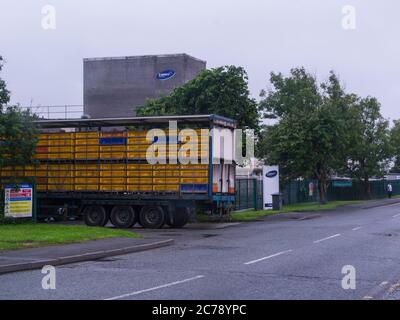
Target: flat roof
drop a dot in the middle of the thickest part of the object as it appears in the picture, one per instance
(144, 56)
(116, 122)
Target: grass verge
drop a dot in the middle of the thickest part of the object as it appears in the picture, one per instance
(300, 207)
(38, 235)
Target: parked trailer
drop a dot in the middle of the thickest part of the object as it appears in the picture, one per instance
(98, 169)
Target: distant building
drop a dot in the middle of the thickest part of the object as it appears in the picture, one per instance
(115, 87)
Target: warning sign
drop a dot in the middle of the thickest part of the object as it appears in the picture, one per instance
(18, 202)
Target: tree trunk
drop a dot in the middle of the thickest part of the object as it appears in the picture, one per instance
(322, 191)
(367, 188)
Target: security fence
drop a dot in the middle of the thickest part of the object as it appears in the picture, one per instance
(249, 194)
(249, 191)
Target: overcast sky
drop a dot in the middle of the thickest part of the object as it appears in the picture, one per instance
(44, 67)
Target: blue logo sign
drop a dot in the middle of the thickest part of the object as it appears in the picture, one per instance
(166, 75)
(272, 174)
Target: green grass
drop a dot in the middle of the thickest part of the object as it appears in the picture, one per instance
(39, 235)
(300, 207)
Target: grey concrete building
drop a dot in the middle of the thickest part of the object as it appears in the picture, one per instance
(115, 87)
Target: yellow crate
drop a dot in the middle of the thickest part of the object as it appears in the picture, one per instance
(194, 173)
(113, 181)
(145, 187)
(112, 167)
(41, 187)
(135, 146)
(87, 187)
(41, 170)
(194, 166)
(139, 170)
(82, 136)
(60, 139)
(113, 188)
(136, 155)
(194, 180)
(166, 188)
(89, 170)
(166, 180)
(43, 139)
(137, 134)
(87, 180)
(42, 152)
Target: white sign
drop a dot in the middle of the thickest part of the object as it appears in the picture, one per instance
(270, 184)
(18, 203)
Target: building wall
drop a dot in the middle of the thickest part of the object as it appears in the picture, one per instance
(115, 87)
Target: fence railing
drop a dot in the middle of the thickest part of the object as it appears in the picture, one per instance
(61, 112)
(249, 191)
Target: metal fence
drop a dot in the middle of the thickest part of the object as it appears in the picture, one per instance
(57, 112)
(249, 192)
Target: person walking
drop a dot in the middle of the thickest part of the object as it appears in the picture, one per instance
(389, 190)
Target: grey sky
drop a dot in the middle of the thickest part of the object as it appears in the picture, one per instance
(260, 35)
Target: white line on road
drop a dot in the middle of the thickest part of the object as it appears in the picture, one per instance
(327, 238)
(397, 215)
(155, 288)
(269, 257)
(355, 229)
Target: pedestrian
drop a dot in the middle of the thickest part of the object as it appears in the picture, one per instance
(389, 190)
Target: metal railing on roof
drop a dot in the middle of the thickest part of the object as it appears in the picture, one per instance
(59, 112)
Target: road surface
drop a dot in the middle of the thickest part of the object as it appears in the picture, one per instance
(280, 258)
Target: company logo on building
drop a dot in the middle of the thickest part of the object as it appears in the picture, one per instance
(272, 174)
(166, 75)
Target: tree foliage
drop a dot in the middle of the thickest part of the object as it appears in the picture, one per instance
(370, 149)
(4, 93)
(223, 91)
(17, 133)
(321, 130)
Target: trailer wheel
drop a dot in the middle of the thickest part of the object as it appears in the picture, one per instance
(152, 217)
(180, 218)
(123, 217)
(95, 216)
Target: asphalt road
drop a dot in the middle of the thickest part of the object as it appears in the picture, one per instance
(281, 258)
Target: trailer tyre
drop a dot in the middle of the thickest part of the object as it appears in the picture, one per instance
(180, 218)
(152, 217)
(123, 217)
(95, 216)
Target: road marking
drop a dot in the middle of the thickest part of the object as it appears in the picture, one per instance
(327, 238)
(269, 257)
(397, 215)
(155, 288)
(355, 229)
(368, 298)
(384, 283)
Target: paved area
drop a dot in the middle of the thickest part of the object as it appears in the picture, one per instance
(34, 258)
(278, 258)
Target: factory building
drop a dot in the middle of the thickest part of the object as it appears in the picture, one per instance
(116, 87)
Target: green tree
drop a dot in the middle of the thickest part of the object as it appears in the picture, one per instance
(18, 135)
(4, 93)
(223, 91)
(370, 150)
(310, 136)
(395, 144)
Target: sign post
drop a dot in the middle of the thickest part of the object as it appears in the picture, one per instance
(18, 203)
(270, 185)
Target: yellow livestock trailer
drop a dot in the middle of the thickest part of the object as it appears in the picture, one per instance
(150, 170)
